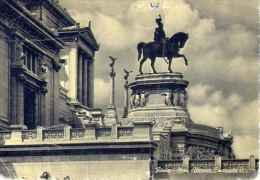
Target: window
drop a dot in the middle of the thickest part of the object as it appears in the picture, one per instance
(31, 60)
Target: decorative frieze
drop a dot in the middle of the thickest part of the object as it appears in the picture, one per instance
(6, 135)
(205, 165)
(104, 132)
(77, 133)
(125, 132)
(173, 166)
(29, 135)
(200, 152)
(53, 134)
(235, 164)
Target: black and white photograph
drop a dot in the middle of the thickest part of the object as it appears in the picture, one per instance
(129, 89)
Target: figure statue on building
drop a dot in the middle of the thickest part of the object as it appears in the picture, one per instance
(113, 61)
(127, 74)
(185, 99)
(132, 101)
(43, 66)
(167, 98)
(19, 51)
(143, 99)
(182, 98)
(137, 100)
(162, 47)
(159, 34)
(175, 98)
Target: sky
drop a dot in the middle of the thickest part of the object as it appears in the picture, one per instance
(222, 51)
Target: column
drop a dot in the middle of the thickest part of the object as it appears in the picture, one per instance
(112, 88)
(20, 103)
(126, 100)
(80, 75)
(112, 117)
(42, 108)
(13, 110)
(91, 84)
(73, 64)
(85, 82)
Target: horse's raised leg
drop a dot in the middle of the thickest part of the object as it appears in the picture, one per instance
(141, 65)
(152, 64)
(182, 55)
(170, 63)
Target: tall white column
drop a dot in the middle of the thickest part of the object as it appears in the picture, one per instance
(80, 75)
(91, 84)
(112, 87)
(73, 64)
(112, 117)
(85, 82)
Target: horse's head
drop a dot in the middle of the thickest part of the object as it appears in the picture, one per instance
(179, 39)
(183, 40)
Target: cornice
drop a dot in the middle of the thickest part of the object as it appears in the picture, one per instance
(22, 12)
(85, 34)
(61, 11)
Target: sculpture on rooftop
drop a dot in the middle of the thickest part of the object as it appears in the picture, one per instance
(162, 47)
(113, 61)
(127, 74)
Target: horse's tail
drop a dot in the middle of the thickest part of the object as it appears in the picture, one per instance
(139, 48)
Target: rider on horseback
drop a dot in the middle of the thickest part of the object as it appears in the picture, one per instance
(159, 34)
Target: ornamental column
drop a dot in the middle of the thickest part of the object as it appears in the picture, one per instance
(85, 82)
(73, 64)
(112, 117)
(126, 93)
(80, 75)
(91, 84)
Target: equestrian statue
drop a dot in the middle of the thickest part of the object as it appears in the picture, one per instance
(162, 47)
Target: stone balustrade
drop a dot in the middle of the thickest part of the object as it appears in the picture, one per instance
(218, 165)
(90, 132)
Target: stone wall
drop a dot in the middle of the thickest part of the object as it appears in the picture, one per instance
(77, 167)
(81, 153)
(4, 80)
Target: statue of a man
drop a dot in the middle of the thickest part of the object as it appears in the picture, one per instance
(167, 98)
(143, 98)
(182, 98)
(132, 101)
(159, 34)
(175, 98)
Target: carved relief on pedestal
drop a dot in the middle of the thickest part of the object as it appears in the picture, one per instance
(139, 100)
(143, 98)
(200, 152)
(167, 98)
(177, 152)
(179, 121)
(180, 98)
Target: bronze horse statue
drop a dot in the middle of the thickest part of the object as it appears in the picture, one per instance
(152, 50)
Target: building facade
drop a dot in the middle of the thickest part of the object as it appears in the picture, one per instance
(48, 65)
(49, 123)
